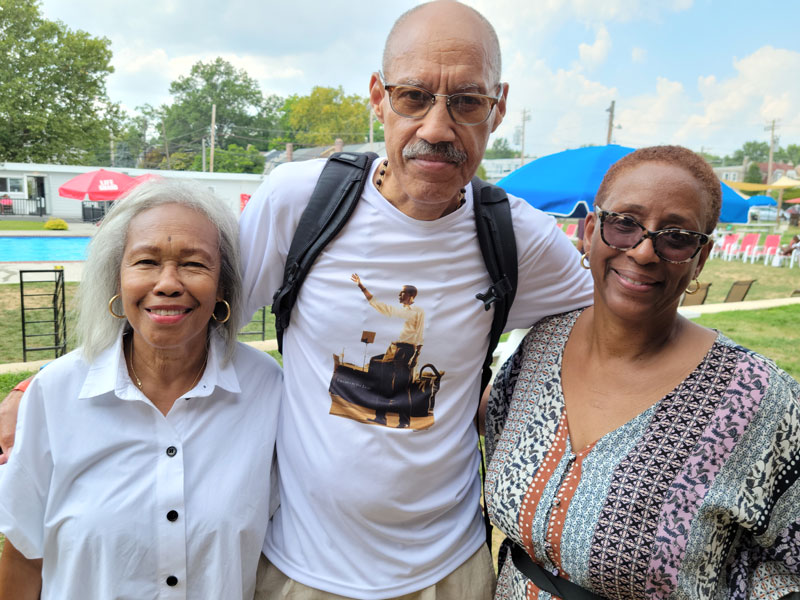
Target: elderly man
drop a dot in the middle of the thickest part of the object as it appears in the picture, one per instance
(378, 512)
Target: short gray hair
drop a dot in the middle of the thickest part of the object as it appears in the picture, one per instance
(97, 329)
(495, 57)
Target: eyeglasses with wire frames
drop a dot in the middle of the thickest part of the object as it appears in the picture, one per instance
(673, 245)
(465, 108)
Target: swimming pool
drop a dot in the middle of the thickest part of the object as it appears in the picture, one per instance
(49, 249)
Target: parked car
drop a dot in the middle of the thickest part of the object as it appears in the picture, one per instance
(765, 213)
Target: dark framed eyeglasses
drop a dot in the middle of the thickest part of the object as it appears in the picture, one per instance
(673, 245)
(414, 102)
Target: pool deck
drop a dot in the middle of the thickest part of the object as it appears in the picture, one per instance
(9, 271)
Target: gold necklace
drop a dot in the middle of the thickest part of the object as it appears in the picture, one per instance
(384, 168)
(139, 381)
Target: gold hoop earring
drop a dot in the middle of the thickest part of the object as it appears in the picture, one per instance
(585, 261)
(228, 316)
(696, 287)
(111, 308)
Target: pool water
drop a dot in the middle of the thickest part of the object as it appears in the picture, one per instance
(49, 249)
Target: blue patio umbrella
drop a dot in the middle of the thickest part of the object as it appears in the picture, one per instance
(564, 184)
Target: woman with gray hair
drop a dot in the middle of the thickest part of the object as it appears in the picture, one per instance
(119, 484)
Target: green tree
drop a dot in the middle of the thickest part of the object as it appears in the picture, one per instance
(326, 114)
(53, 105)
(500, 149)
(242, 113)
(234, 159)
(755, 151)
(712, 159)
(792, 153)
(179, 161)
(753, 174)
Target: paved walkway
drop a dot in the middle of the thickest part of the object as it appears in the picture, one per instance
(706, 309)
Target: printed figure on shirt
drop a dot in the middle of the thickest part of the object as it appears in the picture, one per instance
(390, 383)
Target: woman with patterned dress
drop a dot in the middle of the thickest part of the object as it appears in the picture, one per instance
(632, 452)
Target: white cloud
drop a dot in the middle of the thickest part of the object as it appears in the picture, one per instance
(737, 109)
(567, 108)
(638, 55)
(595, 54)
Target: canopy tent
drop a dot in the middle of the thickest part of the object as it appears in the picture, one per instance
(564, 184)
(762, 201)
(781, 184)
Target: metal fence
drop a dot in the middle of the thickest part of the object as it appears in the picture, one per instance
(23, 206)
(44, 315)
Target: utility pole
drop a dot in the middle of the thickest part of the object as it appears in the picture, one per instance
(204, 154)
(610, 111)
(111, 143)
(166, 143)
(213, 130)
(525, 117)
(771, 129)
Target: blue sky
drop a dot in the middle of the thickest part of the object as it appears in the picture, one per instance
(707, 74)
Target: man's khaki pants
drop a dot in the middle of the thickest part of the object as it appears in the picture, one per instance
(474, 580)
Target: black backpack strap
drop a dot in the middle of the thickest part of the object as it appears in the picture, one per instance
(335, 196)
(499, 249)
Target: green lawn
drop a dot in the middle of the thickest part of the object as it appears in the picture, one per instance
(771, 282)
(9, 225)
(773, 332)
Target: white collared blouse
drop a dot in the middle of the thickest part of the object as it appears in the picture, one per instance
(123, 502)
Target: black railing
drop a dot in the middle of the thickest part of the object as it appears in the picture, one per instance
(94, 211)
(23, 206)
(256, 327)
(44, 315)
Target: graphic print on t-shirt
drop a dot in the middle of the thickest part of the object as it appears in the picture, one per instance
(389, 390)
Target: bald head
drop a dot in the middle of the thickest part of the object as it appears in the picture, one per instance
(448, 17)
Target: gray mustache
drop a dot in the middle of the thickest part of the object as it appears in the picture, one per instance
(442, 151)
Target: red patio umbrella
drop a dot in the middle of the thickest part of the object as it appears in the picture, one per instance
(100, 186)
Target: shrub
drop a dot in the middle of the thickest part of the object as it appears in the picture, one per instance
(56, 224)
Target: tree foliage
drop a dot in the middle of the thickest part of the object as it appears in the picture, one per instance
(53, 105)
(501, 149)
(243, 114)
(753, 174)
(234, 159)
(326, 114)
(791, 154)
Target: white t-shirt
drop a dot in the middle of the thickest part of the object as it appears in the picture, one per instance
(97, 472)
(371, 510)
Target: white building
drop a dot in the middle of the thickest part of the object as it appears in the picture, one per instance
(33, 188)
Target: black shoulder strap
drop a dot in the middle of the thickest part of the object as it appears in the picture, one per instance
(556, 585)
(334, 198)
(499, 250)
